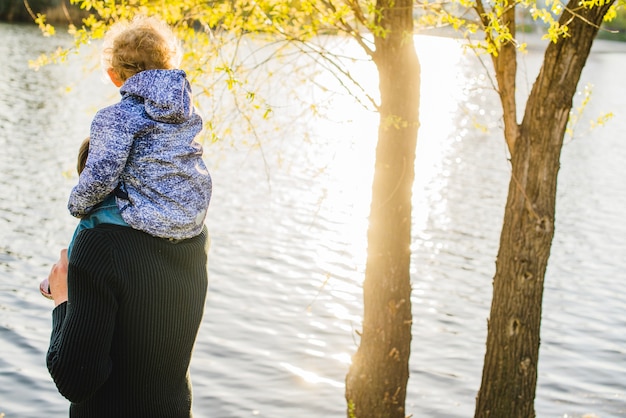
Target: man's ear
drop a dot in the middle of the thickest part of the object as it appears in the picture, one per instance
(115, 78)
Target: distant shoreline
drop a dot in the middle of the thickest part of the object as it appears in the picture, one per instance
(61, 14)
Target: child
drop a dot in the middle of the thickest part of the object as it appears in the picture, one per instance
(142, 149)
(142, 159)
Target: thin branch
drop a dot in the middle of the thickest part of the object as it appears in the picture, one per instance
(358, 13)
(333, 66)
(29, 10)
(574, 13)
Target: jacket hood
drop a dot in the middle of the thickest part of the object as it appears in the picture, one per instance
(166, 94)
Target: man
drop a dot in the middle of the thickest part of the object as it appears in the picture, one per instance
(127, 311)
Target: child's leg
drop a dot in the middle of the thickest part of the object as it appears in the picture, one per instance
(106, 212)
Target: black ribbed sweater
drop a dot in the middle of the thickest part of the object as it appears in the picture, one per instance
(122, 343)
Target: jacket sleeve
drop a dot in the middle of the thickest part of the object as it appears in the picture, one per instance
(111, 138)
(78, 357)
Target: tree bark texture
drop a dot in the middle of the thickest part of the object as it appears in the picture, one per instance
(377, 379)
(510, 370)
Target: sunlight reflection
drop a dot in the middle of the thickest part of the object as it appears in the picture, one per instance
(341, 312)
(311, 377)
(315, 353)
(318, 324)
(346, 156)
(343, 295)
(344, 358)
(441, 90)
(312, 341)
(348, 186)
(315, 341)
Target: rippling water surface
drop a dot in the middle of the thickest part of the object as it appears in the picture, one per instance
(288, 252)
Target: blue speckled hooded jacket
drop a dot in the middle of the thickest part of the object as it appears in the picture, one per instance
(145, 143)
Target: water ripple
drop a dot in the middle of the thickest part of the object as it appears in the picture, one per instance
(287, 258)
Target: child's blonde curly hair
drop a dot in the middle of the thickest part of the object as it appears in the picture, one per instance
(144, 43)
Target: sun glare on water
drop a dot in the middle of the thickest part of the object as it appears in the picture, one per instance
(350, 156)
(347, 160)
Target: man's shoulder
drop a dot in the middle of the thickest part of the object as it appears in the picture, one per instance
(104, 240)
(121, 232)
(123, 246)
(104, 231)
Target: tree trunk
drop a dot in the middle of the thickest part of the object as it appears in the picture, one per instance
(510, 370)
(377, 379)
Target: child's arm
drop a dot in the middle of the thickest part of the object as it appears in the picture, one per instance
(109, 146)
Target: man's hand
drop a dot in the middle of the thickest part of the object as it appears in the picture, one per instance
(58, 279)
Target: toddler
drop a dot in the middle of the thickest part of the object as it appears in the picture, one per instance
(141, 166)
(142, 149)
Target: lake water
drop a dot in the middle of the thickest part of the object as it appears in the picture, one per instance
(288, 229)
